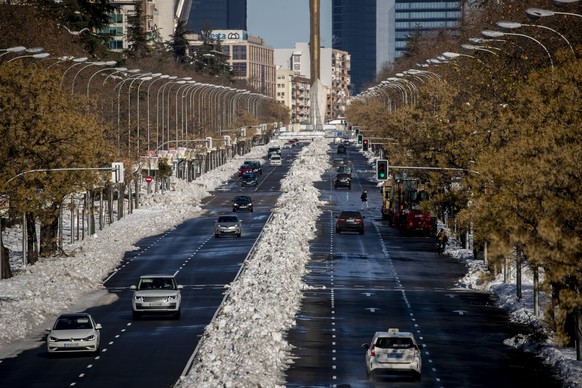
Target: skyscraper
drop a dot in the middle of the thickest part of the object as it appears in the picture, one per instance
(219, 14)
(375, 32)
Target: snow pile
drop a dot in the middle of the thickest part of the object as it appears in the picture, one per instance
(261, 304)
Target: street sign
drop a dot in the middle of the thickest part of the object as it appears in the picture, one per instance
(148, 179)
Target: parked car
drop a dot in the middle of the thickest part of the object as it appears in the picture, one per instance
(255, 165)
(242, 202)
(249, 179)
(244, 169)
(349, 220)
(156, 294)
(276, 161)
(76, 332)
(342, 180)
(393, 352)
(226, 225)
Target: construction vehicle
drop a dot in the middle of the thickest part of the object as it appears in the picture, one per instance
(404, 203)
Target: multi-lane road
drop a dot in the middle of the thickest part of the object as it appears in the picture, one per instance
(361, 284)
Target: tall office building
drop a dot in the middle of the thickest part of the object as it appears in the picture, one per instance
(375, 32)
(219, 14)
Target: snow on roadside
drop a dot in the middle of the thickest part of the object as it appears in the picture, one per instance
(32, 299)
(261, 304)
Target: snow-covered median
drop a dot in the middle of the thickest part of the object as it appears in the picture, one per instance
(261, 304)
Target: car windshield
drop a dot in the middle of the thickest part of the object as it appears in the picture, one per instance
(227, 219)
(242, 199)
(73, 323)
(156, 284)
(394, 343)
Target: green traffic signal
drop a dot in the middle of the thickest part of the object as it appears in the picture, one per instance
(360, 137)
(382, 170)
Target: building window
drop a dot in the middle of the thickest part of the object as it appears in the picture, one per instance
(239, 69)
(239, 52)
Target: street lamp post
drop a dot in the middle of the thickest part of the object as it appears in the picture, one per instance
(116, 70)
(35, 56)
(498, 34)
(513, 25)
(16, 49)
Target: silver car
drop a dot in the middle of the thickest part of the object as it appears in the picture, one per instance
(156, 294)
(393, 352)
(73, 333)
(227, 225)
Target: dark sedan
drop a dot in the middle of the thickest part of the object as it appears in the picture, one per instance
(342, 180)
(349, 220)
(249, 179)
(242, 202)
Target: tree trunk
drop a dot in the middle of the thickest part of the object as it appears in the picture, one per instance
(49, 237)
(31, 239)
(5, 271)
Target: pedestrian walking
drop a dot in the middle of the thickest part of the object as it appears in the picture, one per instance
(442, 240)
(364, 198)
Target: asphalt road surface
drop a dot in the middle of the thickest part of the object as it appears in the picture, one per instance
(380, 280)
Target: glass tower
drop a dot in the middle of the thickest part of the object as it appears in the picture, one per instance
(218, 14)
(375, 32)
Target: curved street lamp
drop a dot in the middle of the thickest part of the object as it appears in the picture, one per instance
(35, 56)
(16, 49)
(497, 34)
(453, 55)
(513, 25)
(116, 70)
(537, 13)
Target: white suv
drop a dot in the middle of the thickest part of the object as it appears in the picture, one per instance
(156, 294)
(393, 352)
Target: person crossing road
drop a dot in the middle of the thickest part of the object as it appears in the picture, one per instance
(364, 198)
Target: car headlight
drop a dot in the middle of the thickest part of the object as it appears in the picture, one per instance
(90, 338)
(138, 298)
(172, 298)
(52, 339)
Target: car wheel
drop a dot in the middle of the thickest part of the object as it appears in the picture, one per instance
(136, 315)
(216, 235)
(251, 210)
(338, 231)
(238, 235)
(362, 231)
(234, 210)
(178, 314)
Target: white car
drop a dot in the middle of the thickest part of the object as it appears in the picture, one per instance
(393, 352)
(276, 161)
(156, 294)
(76, 332)
(227, 225)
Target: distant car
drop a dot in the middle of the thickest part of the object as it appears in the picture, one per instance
(242, 202)
(393, 352)
(156, 294)
(276, 161)
(76, 332)
(256, 166)
(244, 169)
(342, 180)
(349, 220)
(227, 225)
(287, 145)
(274, 151)
(341, 161)
(342, 149)
(344, 169)
(249, 179)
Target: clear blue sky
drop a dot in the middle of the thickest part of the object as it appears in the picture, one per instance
(281, 23)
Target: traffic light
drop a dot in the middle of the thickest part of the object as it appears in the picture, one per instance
(364, 144)
(382, 169)
(360, 137)
(357, 131)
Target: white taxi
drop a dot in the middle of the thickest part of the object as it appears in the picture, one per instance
(393, 352)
